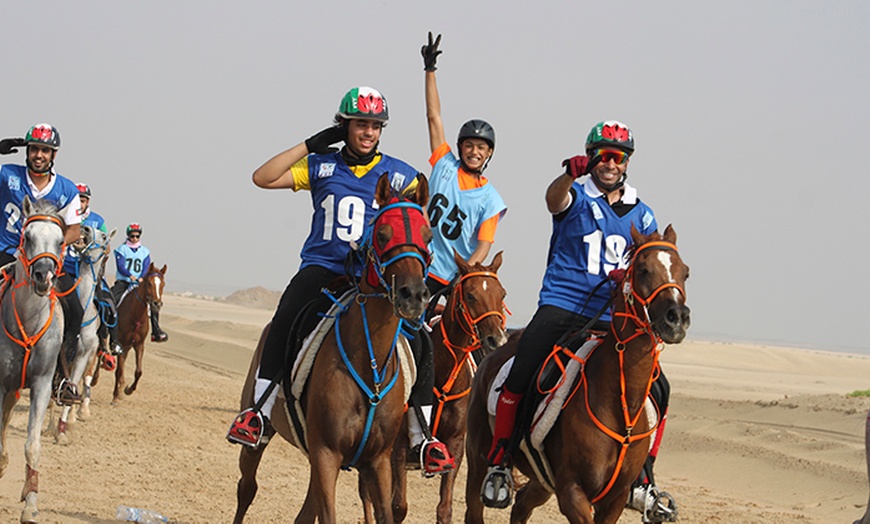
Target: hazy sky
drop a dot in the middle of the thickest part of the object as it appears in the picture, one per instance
(747, 116)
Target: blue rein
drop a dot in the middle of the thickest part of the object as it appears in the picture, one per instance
(378, 390)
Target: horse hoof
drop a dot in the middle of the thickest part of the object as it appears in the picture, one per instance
(84, 412)
(62, 439)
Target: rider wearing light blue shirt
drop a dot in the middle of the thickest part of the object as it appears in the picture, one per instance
(132, 261)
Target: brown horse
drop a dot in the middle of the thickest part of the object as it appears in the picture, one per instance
(473, 318)
(133, 325)
(353, 402)
(599, 442)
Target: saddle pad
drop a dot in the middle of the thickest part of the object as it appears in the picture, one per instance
(305, 361)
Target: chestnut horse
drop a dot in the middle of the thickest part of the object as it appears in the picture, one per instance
(473, 318)
(598, 444)
(353, 402)
(30, 339)
(133, 325)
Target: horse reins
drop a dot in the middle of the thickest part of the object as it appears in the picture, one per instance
(28, 342)
(643, 326)
(468, 324)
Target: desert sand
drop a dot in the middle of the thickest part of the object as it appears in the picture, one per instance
(755, 434)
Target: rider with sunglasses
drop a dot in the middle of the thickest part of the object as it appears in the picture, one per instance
(593, 209)
(132, 261)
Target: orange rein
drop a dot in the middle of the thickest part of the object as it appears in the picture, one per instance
(469, 328)
(27, 342)
(642, 327)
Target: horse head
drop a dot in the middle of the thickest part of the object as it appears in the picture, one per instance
(152, 286)
(656, 280)
(396, 247)
(95, 243)
(479, 297)
(42, 244)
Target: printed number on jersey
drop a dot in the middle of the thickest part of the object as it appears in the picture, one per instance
(451, 226)
(346, 219)
(613, 249)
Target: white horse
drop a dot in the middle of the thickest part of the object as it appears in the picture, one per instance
(94, 250)
(32, 334)
(866, 518)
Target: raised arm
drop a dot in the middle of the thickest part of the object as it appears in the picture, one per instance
(276, 174)
(430, 54)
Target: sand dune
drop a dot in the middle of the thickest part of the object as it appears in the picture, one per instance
(755, 434)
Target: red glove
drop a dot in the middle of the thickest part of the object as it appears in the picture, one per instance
(579, 165)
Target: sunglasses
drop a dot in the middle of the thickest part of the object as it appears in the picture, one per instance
(134, 236)
(620, 157)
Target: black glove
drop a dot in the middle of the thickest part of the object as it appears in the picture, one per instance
(319, 143)
(8, 145)
(430, 53)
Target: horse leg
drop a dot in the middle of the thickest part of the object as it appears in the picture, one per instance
(140, 353)
(249, 462)
(366, 498)
(308, 513)
(9, 401)
(575, 505)
(62, 438)
(529, 497)
(119, 376)
(474, 454)
(325, 465)
(40, 396)
(400, 474)
(377, 475)
(444, 510)
(85, 407)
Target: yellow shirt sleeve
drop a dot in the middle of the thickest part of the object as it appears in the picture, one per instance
(299, 170)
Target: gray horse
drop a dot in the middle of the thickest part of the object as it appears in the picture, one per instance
(92, 252)
(32, 333)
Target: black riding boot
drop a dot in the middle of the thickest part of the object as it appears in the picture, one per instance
(157, 334)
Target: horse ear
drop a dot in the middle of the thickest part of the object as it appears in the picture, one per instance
(383, 192)
(670, 235)
(422, 194)
(112, 234)
(461, 263)
(636, 237)
(163, 271)
(496, 262)
(26, 206)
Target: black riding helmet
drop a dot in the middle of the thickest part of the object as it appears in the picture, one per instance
(477, 128)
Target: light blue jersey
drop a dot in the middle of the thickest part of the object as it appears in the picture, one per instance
(456, 215)
(588, 241)
(131, 263)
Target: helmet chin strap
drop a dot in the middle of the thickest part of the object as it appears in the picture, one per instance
(612, 188)
(46, 171)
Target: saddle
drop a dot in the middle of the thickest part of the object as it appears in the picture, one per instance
(305, 341)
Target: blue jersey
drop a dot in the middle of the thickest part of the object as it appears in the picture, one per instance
(588, 241)
(131, 263)
(456, 215)
(343, 204)
(71, 258)
(13, 189)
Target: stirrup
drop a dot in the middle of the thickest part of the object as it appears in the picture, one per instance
(436, 458)
(655, 506)
(67, 393)
(108, 361)
(251, 429)
(498, 487)
(117, 349)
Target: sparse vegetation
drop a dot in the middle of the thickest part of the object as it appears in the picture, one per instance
(860, 393)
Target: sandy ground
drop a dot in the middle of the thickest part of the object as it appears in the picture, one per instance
(756, 434)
